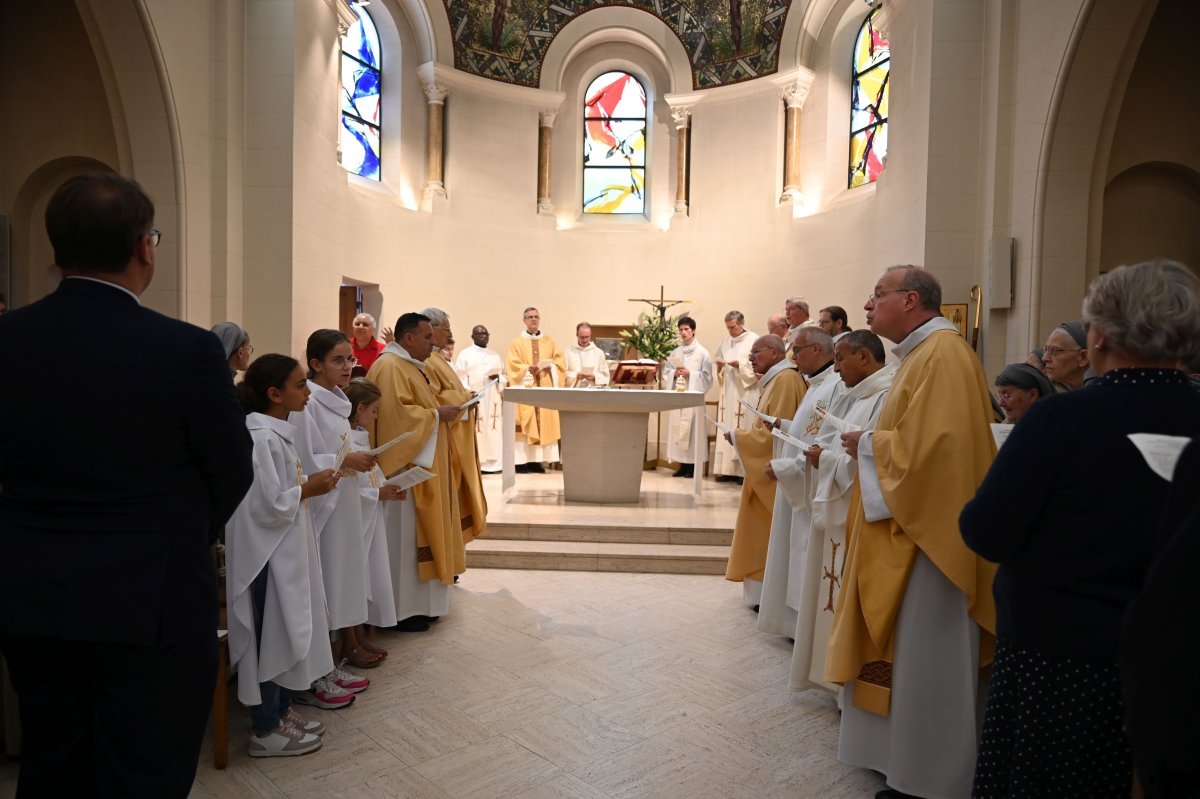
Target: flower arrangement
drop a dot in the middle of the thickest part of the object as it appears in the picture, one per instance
(653, 337)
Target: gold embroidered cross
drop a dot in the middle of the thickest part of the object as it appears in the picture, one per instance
(834, 580)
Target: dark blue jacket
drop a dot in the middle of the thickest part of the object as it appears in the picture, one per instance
(122, 451)
(1069, 510)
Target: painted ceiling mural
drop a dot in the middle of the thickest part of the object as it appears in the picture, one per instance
(728, 41)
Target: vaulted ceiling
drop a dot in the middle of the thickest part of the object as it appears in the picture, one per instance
(727, 41)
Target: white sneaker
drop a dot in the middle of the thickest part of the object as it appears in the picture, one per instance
(310, 726)
(353, 683)
(286, 740)
(325, 693)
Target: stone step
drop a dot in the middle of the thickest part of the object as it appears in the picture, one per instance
(610, 534)
(597, 556)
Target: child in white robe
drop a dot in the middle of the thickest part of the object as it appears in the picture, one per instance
(364, 399)
(275, 598)
(324, 441)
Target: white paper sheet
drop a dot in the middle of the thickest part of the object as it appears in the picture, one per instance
(382, 448)
(795, 442)
(545, 363)
(675, 360)
(769, 420)
(479, 394)
(838, 423)
(724, 428)
(1000, 433)
(342, 452)
(410, 477)
(429, 451)
(1161, 452)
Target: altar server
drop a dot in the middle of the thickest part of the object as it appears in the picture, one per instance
(690, 363)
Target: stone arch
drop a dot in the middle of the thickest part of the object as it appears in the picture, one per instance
(1151, 210)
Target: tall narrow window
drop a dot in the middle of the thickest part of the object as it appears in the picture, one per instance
(358, 135)
(614, 145)
(869, 103)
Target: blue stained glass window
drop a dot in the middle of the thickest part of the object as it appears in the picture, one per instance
(870, 71)
(358, 135)
(614, 145)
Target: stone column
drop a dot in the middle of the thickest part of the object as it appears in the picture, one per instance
(794, 95)
(683, 117)
(545, 139)
(434, 184)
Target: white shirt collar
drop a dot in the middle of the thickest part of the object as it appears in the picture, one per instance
(774, 371)
(281, 427)
(923, 331)
(397, 350)
(105, 282)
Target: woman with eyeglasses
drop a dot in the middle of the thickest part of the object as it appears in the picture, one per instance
(236, 342)
(1067, 510)
(1018, 387)
(1066, 356)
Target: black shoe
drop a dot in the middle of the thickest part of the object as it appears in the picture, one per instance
(739, 480)
(724, 478)
(535, 468)
(521, 468)
(755, 608)
(413, 624)
(456, 578)
(429, 619)
(686, 470)
(892, 793)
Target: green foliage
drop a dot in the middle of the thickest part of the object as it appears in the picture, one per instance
(652, 337)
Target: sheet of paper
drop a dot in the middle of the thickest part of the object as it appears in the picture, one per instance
(429, 451)
(769, 420)
(410, 477)
(382, 448)
(1000, 433)
(545, 363)
(479, 394)
(675, 360)
(724, 428)
(1161, 452)
(836, 422)
(342, 452)
(795, 442)
(587, 370)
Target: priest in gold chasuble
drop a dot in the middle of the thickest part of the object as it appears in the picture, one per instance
(464, 448)
(781, 388)
(534, 359)
(915, 621)
(410, 405)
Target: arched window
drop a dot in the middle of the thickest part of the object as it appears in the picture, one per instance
(868, 103)
(358, 136)
(614, 145)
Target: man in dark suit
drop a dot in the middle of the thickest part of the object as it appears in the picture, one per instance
(117, 468)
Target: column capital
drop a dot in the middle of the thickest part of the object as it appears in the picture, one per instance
(435, 93)
(795, 91)
(682, 106)
(681, 114)
(885, 20)
(546, 116)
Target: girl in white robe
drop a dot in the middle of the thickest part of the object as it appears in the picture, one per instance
(324, 430)
(365, 397)
(275, 597)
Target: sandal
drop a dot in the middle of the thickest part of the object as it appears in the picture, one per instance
(360, 659)
(374, 650)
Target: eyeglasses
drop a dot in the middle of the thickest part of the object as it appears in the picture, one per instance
(878, 295)
(1005, 396)
(1054, 352)
(341, 361)
(249, 349)
(155, 236)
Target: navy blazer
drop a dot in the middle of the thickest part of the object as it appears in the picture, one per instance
(1069, 509)
(123, 450)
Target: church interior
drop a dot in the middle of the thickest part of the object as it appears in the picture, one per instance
(415, 153)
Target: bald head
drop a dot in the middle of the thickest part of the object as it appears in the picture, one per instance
(766, 351)
(777, 324)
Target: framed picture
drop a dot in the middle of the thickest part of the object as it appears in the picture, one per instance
(957, 315)
(608, 339)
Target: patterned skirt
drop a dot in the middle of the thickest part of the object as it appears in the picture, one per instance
(1053, 727)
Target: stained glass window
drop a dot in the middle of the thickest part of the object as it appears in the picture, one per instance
(614, 145)
(869, 103)
(358, 135)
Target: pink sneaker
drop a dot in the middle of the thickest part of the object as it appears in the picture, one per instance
(325, 693)
(348, 681)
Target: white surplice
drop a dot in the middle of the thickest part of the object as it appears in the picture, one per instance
(825, 558)
(272, 529)
(322, 427)
(790, 516)
(733, 386)
(680, 441)
(381, 605)
(590, 356)
(478, 365)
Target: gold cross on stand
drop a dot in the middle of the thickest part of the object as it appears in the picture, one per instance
(661, 304)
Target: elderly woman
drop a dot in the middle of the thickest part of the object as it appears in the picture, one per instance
(236, 342)
(1018, 387)
(1065, 355)
(366, 347)
(1035, 359)
(1064, 512)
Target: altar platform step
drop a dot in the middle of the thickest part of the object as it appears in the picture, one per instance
(597, 556)
(668, 531)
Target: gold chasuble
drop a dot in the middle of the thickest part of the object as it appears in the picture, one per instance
(931, 449)
(752, 531)
(539, 426)
(464, 449)
(409, 404)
